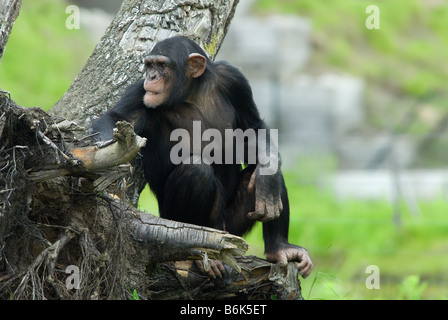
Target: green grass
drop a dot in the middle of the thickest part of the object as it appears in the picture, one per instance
(42, 56)
(347, 236)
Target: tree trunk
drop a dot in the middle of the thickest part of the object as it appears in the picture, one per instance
(66, 228)
(9, 10)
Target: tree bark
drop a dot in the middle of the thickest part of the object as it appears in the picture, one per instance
(64, 203)
(9, 11)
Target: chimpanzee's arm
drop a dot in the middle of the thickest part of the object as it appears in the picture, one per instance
(129, 108)
(267, 178)
(271, 198)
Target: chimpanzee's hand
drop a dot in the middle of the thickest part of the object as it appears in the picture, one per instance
(287, 253)
(216, 270)
(268, 203)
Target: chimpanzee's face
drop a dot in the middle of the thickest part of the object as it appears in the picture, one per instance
(159, 80)
(171, 68)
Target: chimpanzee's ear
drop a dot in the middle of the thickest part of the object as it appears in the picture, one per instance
(196, 64)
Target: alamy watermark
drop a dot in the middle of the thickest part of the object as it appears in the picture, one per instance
(73, 280)
(373, 20)
(373, 280)
(73, 21)
(250, 146)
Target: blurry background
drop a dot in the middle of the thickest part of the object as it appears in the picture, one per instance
(362, 115)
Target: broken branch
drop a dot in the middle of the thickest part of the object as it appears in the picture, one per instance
(125, 147)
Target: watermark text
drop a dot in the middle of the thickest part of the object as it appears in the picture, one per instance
(235, 146)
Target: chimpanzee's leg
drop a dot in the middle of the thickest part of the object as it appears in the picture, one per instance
(237, 221)
(193, 194)
(275, 232)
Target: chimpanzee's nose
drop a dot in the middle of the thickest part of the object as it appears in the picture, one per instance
(152, 75)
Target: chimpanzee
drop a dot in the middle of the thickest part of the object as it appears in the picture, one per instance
(181, 87)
